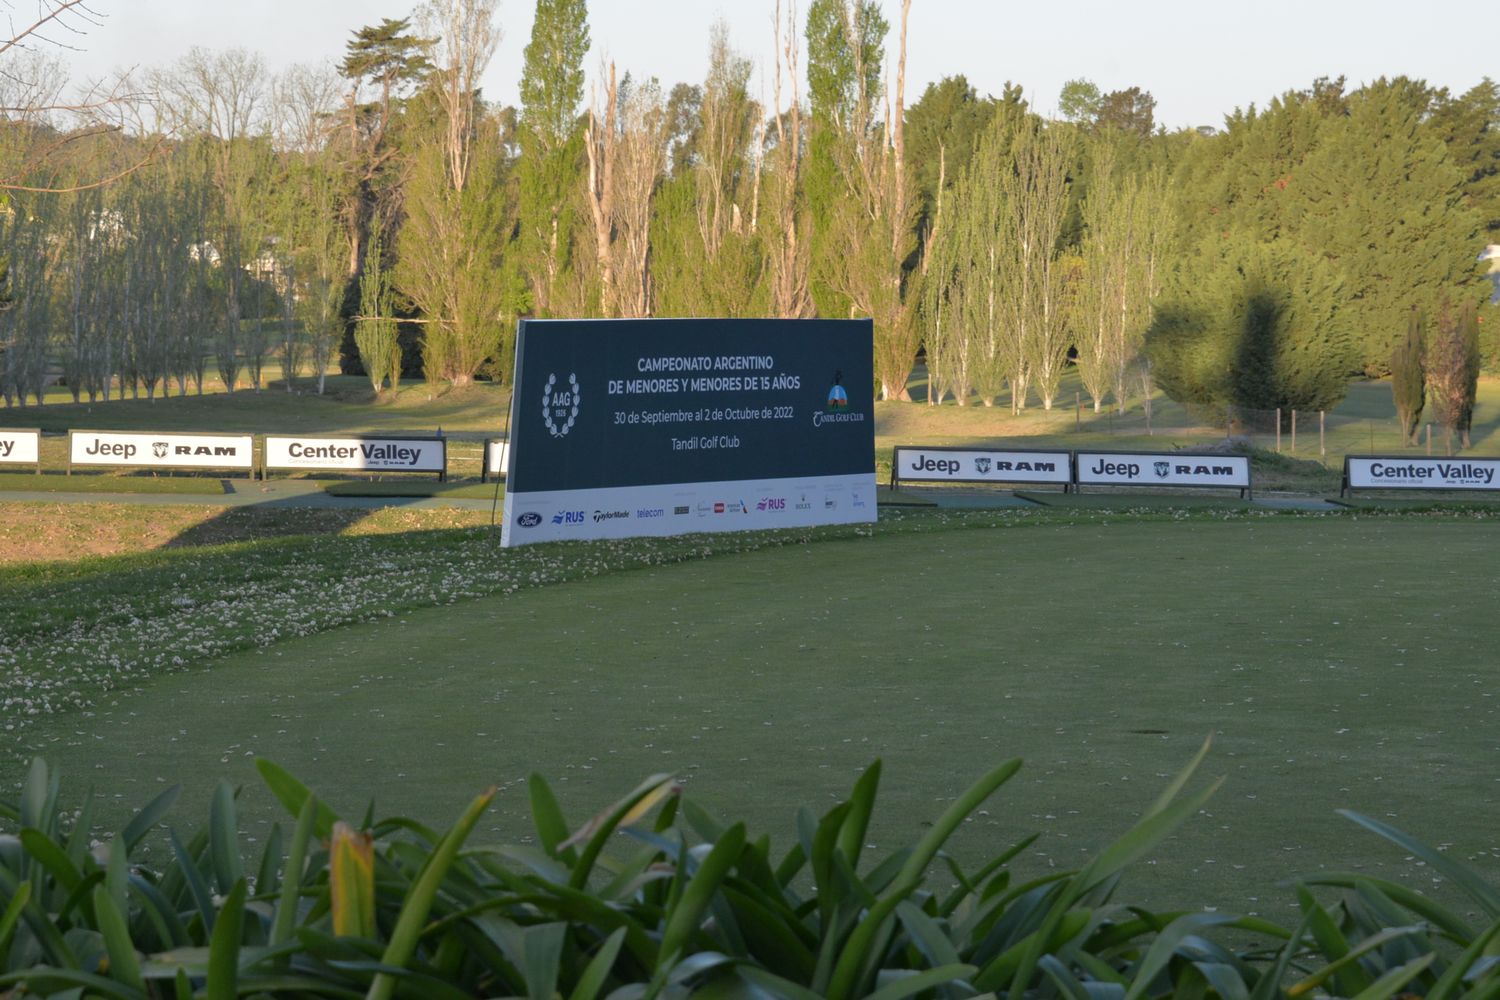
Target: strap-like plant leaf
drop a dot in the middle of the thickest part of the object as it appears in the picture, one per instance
(1428, 909)
(54, 946)
(541, 948)
(1391, 983)
(38, 793)
(351, 881)
(52, 858)
(1068, 984)
(123, 963)
(291, 793)
(772, 937)
(291, 881)
(1457, 970)
(1139, 839)
(223, 837)
(224, 946)
(408, 929)
(776, 986)
(46, 981)
(684, 918)
(11, 917)
(547, 817)
(932, 940)
(596, 832)
(143, 822)
(1479, 890)
(159, 913)
(856, 952)
(202, 898)
(1347, 965)
(268, 872)
(851, 839)
(596, 973)
(1165, 945)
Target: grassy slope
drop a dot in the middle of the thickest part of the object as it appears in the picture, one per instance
(1102, 651)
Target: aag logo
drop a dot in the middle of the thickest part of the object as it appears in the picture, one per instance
(530, 519)
(568, 517)
(560, 406)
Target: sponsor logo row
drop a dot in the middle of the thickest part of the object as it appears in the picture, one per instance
(702, 508)
(1073, 468)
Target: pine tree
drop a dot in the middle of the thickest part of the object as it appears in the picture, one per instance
(1409, 379)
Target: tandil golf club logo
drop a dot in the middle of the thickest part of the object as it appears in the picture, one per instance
(559, 405)
(838, 399)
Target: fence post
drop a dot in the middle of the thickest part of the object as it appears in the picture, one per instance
(1278, 430)
(1322, 451)
(1078, 411)
(1294, 431)
(1429, 439)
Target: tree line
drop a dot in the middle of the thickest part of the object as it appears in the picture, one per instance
(381, 214)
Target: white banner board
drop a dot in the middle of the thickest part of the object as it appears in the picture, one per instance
(1392, 472)
(357, 454)
(960, 465)
(1174, 468)
(496, 453)
(20, 447)
(147, 449)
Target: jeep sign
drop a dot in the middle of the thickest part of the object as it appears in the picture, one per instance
(146, 449)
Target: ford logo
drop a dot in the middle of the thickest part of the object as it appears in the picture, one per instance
(530, 519)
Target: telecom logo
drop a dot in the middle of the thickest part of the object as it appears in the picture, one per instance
(568, 517)
(1163, 469)
(646, 512)
(530, 519)
(560, 406)
(982, 465)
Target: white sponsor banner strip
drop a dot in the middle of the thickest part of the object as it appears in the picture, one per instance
(1391, 472)
(359, 454)
(21, 447)
(681, 508)
(982, 465)
(1174, 468)
(152, 450)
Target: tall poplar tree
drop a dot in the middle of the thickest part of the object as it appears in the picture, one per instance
(551, 141)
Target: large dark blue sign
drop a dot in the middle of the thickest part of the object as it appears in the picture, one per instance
(658, 427)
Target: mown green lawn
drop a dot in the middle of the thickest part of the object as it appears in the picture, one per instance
(1339, 660)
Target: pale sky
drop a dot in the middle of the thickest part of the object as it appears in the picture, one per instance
(1200, 58)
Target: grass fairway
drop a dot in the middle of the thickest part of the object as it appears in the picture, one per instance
(1340, 661)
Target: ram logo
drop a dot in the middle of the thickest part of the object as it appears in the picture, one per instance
(1162, 468)
(159, 449)
(982, 465)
